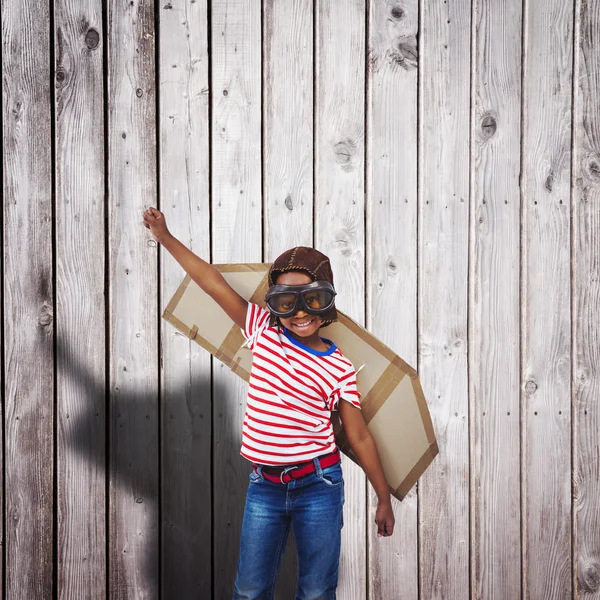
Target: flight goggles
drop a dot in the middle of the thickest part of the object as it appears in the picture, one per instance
(314, 298)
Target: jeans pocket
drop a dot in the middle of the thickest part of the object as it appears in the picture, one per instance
(332, 476)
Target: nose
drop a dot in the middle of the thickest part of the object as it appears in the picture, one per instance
(300, 313)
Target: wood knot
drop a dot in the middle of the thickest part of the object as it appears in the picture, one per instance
(589, 577)
(391, 265)
(549, 181)
(404, 53)
(16, 110)
(139, 93)
(92, 39)
(46, 316)
(530, 387)
(594, 170)
(488, 127)
(397, 12)
(288, 203)
(61, 76)
(344, 152)
(343, 239)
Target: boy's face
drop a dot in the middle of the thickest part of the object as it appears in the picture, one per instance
(302, 324)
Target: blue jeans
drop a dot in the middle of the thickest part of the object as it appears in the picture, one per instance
(312, 506)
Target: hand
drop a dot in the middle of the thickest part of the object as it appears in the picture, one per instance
(384, 518)
(155, 221)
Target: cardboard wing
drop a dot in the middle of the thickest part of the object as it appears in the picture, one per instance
(393, 404)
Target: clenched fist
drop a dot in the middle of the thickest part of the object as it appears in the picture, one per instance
(155, 221)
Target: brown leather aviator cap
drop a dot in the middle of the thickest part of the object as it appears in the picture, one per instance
(310, 261)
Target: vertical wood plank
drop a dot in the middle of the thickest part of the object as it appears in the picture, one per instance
(288, 125)
(236, 237)
(586, 289)
(134, 464)
(186, 372)
(494, 300)
(339, 217)
(444, 73)
(546, 293)
(288, 152)
(392, 247)
(80, 303)
(28, 298)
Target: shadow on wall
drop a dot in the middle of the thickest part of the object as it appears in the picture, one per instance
(187, 491)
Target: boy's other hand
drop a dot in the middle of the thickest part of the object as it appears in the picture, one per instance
(384, 518)
(155, 221)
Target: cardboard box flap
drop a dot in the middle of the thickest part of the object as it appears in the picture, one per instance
(392, 402)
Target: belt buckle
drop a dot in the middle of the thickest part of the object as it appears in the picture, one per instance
(285, 471)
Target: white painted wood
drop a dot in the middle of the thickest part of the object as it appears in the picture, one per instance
(444, 76)
(236, 237)
(586, 300)
(288, 154)
(186, 369)
(546, 300)
(288, 125)
(134, 460)
(494, 300)
(392, 247)
(80, 300)
(339, 115)
(28, 299)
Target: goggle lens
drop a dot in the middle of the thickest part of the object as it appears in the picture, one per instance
(282, 303)
(317, 299)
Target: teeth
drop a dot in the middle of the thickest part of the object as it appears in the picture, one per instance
(303, 324)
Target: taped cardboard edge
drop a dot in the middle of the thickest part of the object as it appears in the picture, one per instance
(380, 347)
(235, 339)
(191, 334)
(410, 480)
(176, 298)
(388, 381)
(416, 471)
(424, 411)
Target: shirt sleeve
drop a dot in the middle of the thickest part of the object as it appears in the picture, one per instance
(346, 389)
(257, 320)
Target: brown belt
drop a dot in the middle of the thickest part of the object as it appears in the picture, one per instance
(286, 474)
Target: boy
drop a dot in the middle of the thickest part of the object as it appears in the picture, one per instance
(297, 379)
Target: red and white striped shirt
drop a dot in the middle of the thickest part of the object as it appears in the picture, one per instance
(293, 390)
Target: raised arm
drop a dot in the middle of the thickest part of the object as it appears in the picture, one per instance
(203, 273)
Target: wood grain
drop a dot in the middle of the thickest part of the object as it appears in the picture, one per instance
(235, 237)
(288, 113)
(339, 114)
(494, 301)
(546, 300)
(134, 460)
(444, 72)
(393, 63)
(436, 97)
(80, 301)
(28, 299)
(186, 493)
(586, 290)
(288, 124)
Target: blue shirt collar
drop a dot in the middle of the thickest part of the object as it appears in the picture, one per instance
(298, 343)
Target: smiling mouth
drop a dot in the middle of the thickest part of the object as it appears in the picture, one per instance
(303, 325)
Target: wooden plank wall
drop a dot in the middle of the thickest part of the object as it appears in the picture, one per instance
(445, 155)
